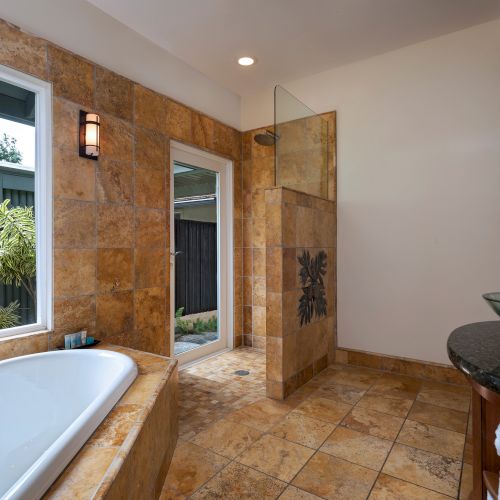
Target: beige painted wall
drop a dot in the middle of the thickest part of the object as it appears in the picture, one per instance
(418, 188)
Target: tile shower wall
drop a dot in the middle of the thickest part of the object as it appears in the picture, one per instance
(297, 222)
(258, 170)
(111, 217)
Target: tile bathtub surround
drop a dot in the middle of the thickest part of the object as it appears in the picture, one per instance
(128, 455)
(111, 216)
(296, 222)
(327, 440)
(258, 172)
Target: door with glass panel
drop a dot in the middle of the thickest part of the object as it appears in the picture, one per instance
(199, 253)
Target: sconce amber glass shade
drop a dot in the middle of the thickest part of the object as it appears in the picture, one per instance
(89, 135)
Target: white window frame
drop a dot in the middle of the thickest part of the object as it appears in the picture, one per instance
(43, 198)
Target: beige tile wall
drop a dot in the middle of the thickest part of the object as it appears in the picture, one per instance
(111, 217)
(297, 222)
(258, 175)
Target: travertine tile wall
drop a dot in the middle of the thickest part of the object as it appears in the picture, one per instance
(258, 174)
(296, 222)
(111, 217)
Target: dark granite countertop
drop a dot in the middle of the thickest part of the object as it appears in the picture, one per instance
(475, 350)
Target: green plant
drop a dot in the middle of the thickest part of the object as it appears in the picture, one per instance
(9, 151)
(212, 324)
(9, 316)
(180, 312)
(17, 247)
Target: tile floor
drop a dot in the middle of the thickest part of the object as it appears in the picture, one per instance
(350, 433)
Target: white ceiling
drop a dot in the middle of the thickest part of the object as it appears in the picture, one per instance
(289, 38)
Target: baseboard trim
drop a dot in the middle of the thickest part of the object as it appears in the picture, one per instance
(403, 366)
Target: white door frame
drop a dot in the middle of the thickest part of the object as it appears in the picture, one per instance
(224, 167)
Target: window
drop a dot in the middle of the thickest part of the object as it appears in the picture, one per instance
(25, 203)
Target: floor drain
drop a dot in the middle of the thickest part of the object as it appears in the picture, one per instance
(241, 372)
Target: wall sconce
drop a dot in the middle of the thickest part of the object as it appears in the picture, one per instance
(89, 135)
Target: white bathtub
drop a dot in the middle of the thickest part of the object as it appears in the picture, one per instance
(50, 403)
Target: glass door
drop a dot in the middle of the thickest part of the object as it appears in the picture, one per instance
(199, 253)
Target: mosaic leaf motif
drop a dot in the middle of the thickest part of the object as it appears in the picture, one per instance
(313, 299)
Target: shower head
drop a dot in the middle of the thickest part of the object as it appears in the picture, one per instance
(267, 139)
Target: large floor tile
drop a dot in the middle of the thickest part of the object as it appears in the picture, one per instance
(191, 467)
(325, 409)
(362, 449)
(391, 406)
(236, 482)
(448, 396)
(434, 439)
(331, 477)
(342, 393)
(391, 488)
(303, 430)
(277, 457)
(227, 438)
(354, 377)
(438, 416)
(293, 493)
(373, 422)
(423, 468)
(261, 415)
(396, 386)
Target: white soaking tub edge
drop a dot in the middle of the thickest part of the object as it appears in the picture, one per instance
(60, 398)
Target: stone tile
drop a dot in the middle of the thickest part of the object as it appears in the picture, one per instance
(150, 109)
(142, 390)
(74, 224)
(74, 272)
(259, 262)
(439, 416)
(23, 345)
(115, 181)
(74, 177)
(81, 478)
(149, 267)
(150, 228)
(355, 377)
(150, 188)
(276, 457)
(114, 269)
(332, 478)
(396, 386)
(259, 291)
(117, 140)
(191, 467)
(151, 339)
(115, 226)
(150, 150)
(22, 51)
(149, 305)
(114, 314)
(359, 448)
(261, 415)
(293, 493)
(236, 482)
(72, 315)
(114, 94)
(391, 488)
(178, 119)
(425, 469)
(203, 130)
(117, 425)
(342, 393)
(259, 320)
(447, 396)
(325, 409)
(227, 438)
(303, 430)
(66, 119)
(434, 439)
(374, 423)
(397, 407)
(71, 76)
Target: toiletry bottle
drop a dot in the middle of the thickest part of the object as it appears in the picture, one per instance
(83, 336)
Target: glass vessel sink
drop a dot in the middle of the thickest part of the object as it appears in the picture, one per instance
(493, 300)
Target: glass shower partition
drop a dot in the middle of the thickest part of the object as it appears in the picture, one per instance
(301, 159)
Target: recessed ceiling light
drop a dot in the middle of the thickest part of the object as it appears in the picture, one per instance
(246, 61)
